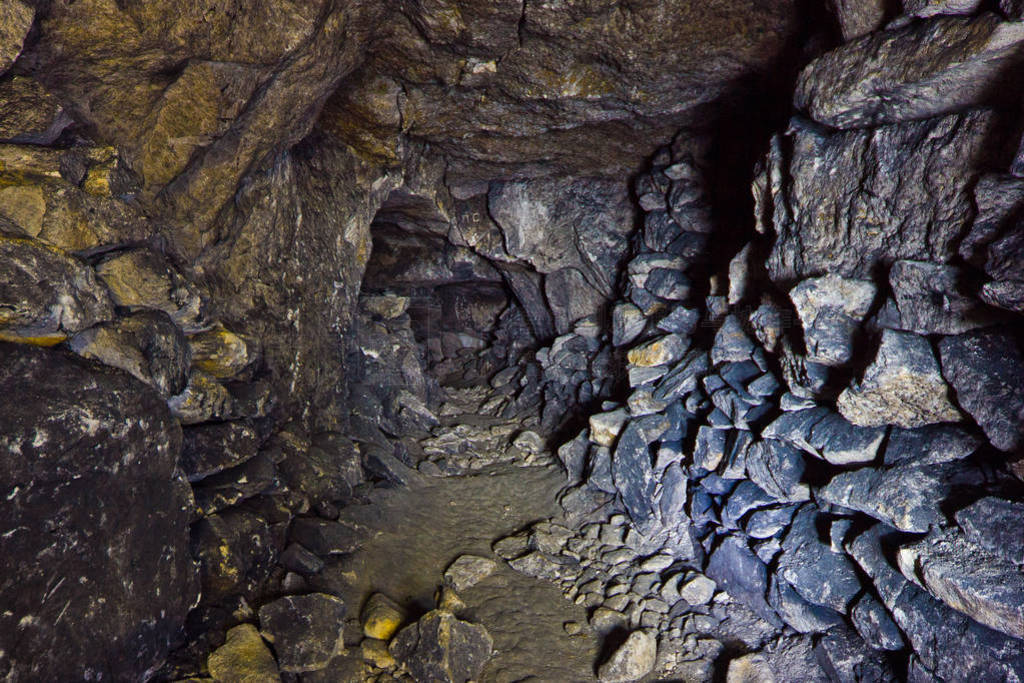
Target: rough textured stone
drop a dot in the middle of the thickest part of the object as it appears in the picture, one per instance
(778, 469)
(933, 629)
(848, 201)
(305, 630)
(95, 521)
(15, 22)
(468, 570)
(632, 660)
(994, 524)
(831, 309)
(632, 472)
(46, 295)
(986, 370)
(925, 69)
(821, 576)
(244, 657)
(382, 617)
(930, 299)
(874, 624)
(901, 386)
(441, 648)
(749, 668)
(859, 17)
(827, 435)
(28, 114)
(144, 278)
(740, 573)
(146, 344)
(211, 449)
(907, 497)
(984, 586)
(236, 553)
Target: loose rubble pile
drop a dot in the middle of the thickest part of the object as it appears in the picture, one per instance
(814, 431)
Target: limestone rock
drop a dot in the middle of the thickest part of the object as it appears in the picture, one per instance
(984, 586)
(698, 591)
(732, 345)
(144, 278)
(902, 386)
(440, 648)
(925, 69)
(15, 21)
(739, 572)
(749, 668)
(220, 352)
(243, 657)
(827, 435)
(605, 427)
(627, 323)
(468, 570)
(929, 299)
(305, 630)
(236, 553)
(986, 370)
(632, 660)
(778, 469)
(931, 8)
(88, 461)
(661, 351)
(859, 17)
(831, 309)
(907, 497)
(932, 629)
(204, 399)
(874, 624)
(994, 524)
(212, 448)
(821, 576)
(853, 199)
(29, 114)
(46, 295)
(382, 617)
(146, 344)
(327, 537)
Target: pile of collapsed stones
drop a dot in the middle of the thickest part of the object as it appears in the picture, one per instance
(829, 429)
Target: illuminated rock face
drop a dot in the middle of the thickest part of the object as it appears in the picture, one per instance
(261, 260)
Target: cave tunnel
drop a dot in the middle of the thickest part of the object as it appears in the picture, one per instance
(511, 341)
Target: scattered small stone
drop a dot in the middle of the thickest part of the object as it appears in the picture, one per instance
(633, 660)
(468, 570)
(698, 590)
(376, 653)
(381, 617)
(572, 628)
(305, 630)
(243, 657)
(750, 668)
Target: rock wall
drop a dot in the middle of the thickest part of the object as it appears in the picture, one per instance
(816, 421)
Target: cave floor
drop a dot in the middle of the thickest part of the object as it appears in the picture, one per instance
(414, 533)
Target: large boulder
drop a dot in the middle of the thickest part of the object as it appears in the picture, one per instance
(918, 70)
(846, 202)
(95, 520)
